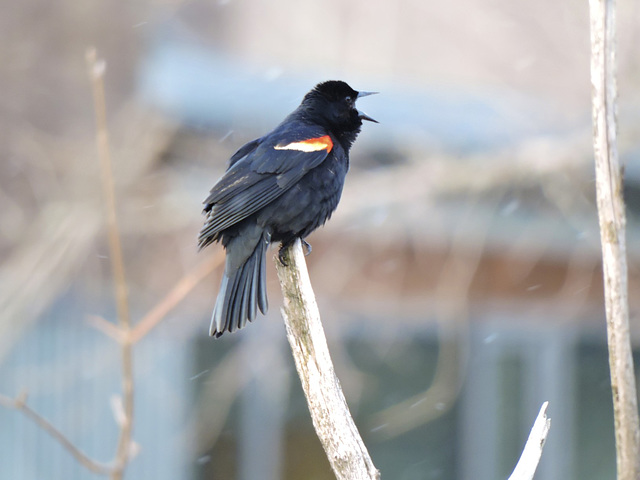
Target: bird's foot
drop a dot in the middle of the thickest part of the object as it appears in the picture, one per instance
(284, 247)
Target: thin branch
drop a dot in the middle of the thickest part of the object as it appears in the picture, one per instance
(175, 296)
(105, 326)
(612, 236)
(96, 73)
(123, 332)
(528, 463)
(159, 312)
(332, 420)
(20, 404)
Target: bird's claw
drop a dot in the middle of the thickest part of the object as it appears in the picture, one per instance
(281, 255)
(307, 247)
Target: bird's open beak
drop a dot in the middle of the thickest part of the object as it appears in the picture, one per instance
(362, 115)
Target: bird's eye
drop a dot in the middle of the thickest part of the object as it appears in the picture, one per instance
(349, 99)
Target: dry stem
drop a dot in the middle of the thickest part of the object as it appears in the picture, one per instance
(96, 73)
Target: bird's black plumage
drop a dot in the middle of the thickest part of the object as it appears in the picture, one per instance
(278, 188)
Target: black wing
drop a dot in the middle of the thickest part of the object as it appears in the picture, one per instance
(260, 172)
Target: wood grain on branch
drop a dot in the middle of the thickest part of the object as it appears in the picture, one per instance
(612, 219)
(332, 420)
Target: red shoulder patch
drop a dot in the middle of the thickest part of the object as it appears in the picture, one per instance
(310, 145)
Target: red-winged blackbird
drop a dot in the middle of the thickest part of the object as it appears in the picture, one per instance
(278, 188)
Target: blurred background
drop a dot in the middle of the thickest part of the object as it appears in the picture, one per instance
(459, 281)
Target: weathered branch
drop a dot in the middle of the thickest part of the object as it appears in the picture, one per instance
(611, 214)
(332, 420)
(532, 451)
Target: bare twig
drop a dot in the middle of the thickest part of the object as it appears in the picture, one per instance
(105, 326)
(159, 312)
(332, 420)
(96, 73)
(175, 296)
(20, 404)
(123, 333)
(612, 235)
(528, 463)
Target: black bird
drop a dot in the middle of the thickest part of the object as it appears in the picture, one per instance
(278, 188)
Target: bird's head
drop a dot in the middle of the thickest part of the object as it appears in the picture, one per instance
(333, 105)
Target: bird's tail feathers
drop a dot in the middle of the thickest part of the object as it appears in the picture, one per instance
(242, 292)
